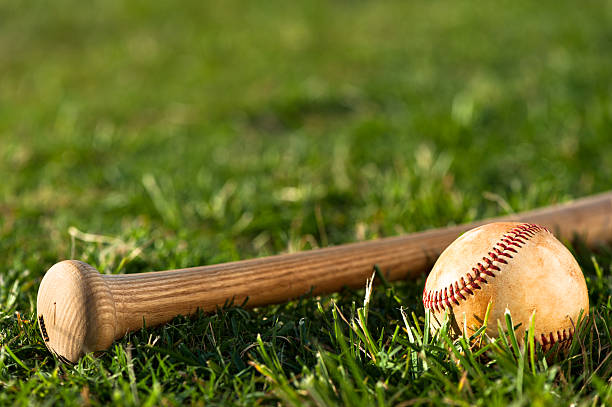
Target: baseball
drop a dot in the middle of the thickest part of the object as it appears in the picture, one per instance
(520, 267)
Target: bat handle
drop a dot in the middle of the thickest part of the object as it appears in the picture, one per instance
(76, 310)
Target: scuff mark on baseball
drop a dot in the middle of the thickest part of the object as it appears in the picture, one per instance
(521, 267)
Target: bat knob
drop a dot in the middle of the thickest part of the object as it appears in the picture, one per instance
(76, 310)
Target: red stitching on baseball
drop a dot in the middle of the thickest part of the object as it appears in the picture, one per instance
(517, 236)
(460, 290)
(564, 339)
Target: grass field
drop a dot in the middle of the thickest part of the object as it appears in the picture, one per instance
(151, 135)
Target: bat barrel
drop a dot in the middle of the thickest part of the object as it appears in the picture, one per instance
(589, 219)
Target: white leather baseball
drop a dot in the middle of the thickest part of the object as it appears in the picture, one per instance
(516, 266)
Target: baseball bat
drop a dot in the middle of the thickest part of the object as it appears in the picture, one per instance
(80, 310)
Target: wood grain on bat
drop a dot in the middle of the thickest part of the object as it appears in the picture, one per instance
(81, 310)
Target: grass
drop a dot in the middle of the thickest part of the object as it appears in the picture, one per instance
(149, 135)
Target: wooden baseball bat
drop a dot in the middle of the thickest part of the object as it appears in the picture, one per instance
(81, 310)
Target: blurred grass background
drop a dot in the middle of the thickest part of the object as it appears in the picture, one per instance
(198, 132)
